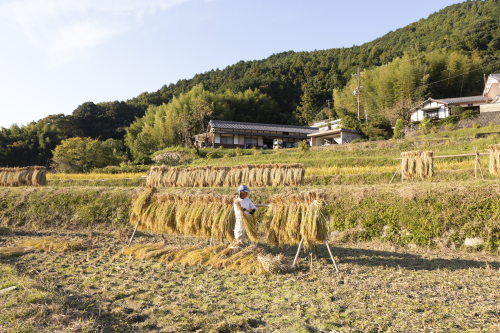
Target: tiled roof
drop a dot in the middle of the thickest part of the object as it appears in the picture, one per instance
(304, 136)
(479, 98)
(234, 125)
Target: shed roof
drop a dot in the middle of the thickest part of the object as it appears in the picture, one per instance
(479, 98)
(234, 125)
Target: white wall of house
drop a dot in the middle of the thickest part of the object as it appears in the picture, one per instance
(492, 107)
(492, 88)
(236, 139)
(216, 138)
(419, 114)
(260, 141)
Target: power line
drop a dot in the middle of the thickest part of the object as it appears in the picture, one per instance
(428, 84)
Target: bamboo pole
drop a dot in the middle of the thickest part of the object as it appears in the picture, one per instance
(133, 233)
(298, 252)
(479, 163)
(331, 255)
(445, 156)
(395, 173)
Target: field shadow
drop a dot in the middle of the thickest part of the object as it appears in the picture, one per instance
(377, 258)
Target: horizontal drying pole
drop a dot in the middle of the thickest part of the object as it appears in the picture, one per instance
(444, 156)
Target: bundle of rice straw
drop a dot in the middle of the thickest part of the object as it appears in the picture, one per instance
(210, 176)
(247, 260)
(53, 244)
(28, 176)
(494, 159)
(417, 164)
(204, 215)
(291, 217)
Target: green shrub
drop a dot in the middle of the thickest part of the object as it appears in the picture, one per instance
(122, 169)
(83, 154)
(399, 129)
(238, 151)
(303, 146)
(449, 120)
(469, 114)
(457, 110)
(450, 127)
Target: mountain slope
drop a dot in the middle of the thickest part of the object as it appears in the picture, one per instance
(285, 76)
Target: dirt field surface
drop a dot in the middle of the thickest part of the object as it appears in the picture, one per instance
(93, 288)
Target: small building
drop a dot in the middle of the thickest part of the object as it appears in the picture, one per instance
(441, 108)
(334, 136)
(324, 123)
(492, 91)
(232, 134)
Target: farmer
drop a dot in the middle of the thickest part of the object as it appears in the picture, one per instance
(246, 207)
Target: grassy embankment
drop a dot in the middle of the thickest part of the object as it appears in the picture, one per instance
(366, 163)
(423, 214)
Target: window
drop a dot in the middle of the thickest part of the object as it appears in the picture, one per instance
(470, 104)
(251, 141)
(226, 140)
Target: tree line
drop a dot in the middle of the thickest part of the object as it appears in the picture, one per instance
(399, 70)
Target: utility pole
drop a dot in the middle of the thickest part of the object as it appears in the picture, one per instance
(357, 91)
(366, 117)
(329, 115)
(485, 93)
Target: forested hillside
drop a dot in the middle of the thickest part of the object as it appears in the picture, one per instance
(444, 55)
(468, 27)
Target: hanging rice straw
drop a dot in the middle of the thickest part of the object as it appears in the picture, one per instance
(211, 176)
(291, 217)
(28, 176)
(193, 215)
(494, 159)
(417, 164)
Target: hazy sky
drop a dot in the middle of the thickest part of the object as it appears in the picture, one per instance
(57, 54)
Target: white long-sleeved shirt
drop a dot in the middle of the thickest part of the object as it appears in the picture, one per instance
(248, 205)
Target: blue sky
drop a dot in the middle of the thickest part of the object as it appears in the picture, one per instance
(58, 54)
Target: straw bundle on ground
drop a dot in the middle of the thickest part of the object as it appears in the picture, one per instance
(417, 164)
(53, 244)
(494, 159)
(247, 260)
(291, 217)
(251, 175)
(28, 176)
(194, 215)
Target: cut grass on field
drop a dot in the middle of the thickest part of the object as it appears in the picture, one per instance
(53, 244)
(381, 288)
(78, 176)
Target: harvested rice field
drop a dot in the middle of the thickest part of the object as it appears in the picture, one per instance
(381, 288)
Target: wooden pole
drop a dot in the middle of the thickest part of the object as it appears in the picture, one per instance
(298, 252)
(479, 163)
(402, 175)
(133, 233)
(475, 163)
(331, 255)
(395, 173)
(445, 156)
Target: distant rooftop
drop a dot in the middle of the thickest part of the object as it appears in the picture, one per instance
(479, 98)
(234, 125)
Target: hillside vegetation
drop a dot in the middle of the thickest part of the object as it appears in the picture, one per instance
(444, 55)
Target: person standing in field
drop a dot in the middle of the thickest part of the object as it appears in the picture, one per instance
(242, 205)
